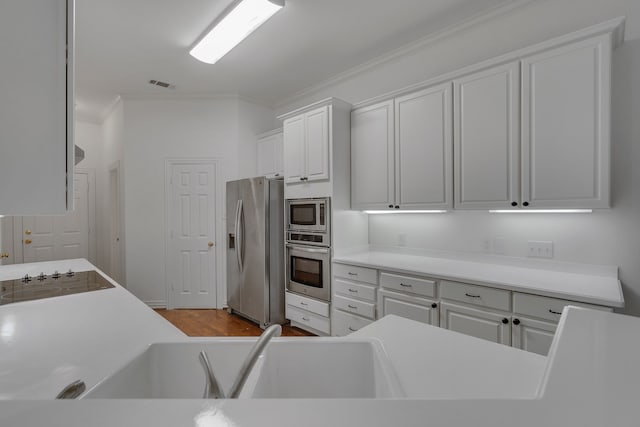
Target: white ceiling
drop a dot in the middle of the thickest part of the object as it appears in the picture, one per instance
(122, 44)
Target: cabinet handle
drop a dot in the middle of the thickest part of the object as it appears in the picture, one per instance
(355, 291)
(472, 296)
(302, 178)
(525, 203)
(352, 274)
(434, 305)
(397, 207)
(505, 320)
(514, 203)
(352, 306)
(391, 206)
(351, 329)
(554, 312)
(306, 319)
(516, 322)
(303, 303)
(405, 286)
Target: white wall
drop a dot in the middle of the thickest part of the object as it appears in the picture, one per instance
(88, 136)
(607, 237)
(158, 130)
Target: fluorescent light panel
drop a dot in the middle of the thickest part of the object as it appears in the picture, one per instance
(525, 211)
(401, 212)
(234, 27)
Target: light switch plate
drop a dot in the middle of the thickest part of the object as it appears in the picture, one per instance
(539, 249)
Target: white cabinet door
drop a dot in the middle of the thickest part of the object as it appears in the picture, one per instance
(317, 144)
(478, 323)
(532, 335)
(269, 152)
(409, 307)
(372, 157)
(487, 138)
(424, 149)
(565, 126)
(294, 149)
(36, 107)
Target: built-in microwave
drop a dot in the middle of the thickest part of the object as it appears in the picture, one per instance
(309, 271)
(308, 215)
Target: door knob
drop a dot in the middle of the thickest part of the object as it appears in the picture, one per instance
(211, 244)
(27, 232)
(27, 242)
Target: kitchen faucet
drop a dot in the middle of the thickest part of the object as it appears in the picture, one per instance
(213, 390)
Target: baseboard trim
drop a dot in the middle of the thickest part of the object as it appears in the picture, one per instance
(156, 304)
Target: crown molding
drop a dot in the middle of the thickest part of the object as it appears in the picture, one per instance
(406, 50)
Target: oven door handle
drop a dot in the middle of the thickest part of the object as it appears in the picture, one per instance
(310, 250)
(239, 235)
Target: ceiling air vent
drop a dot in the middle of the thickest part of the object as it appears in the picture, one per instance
(161, 84)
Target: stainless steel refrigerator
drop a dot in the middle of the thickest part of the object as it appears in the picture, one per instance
(255, 249)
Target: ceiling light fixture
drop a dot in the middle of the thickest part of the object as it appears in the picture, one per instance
(524, 211)
(239, 20)
(403, 212)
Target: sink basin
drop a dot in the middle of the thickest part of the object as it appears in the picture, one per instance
(289, 368)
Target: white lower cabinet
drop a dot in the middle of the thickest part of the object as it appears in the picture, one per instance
(410, 307)
(308, 314)
(503, 316)
(483, 324)
(344, 323)
(532, 335)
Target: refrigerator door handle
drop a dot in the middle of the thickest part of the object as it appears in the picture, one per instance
(239, 235)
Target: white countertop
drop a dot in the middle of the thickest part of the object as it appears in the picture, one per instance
(595, 286)
(588, 379)
(48, 343)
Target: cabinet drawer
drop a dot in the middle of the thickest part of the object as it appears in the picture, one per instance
(344, 323)
(308, 304)
(355, 290)
(409, 307)
(361, 308)
(482, 296)
(361, 274)
(545, 307)
(415, 285)
(309, 319)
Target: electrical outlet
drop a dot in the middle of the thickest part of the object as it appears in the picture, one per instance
(537, 249)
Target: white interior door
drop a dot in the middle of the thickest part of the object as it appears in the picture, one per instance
(51, 238)
(115, 244)
(191, 254)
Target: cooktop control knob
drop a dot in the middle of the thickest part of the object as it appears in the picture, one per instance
(41, 277)
(70, 273)
(26, 279)
(55, 275)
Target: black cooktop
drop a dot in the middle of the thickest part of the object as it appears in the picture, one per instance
(41, 286)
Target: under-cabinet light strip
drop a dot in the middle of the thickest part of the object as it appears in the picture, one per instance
(528, 211)
(402, 212)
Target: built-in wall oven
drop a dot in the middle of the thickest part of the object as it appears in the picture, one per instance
(308, 269)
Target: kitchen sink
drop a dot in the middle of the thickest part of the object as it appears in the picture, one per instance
(288, 368)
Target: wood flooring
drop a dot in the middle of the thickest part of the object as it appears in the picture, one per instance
(219, 323)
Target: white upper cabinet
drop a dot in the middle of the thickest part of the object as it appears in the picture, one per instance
(306, 146)
(423, 141)
(317, 152)
(565, 125)
(372, 157)
(294, 149)
(487, 138)
(317, 144)
(270, 154)
(36, 108)
(401, 152)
